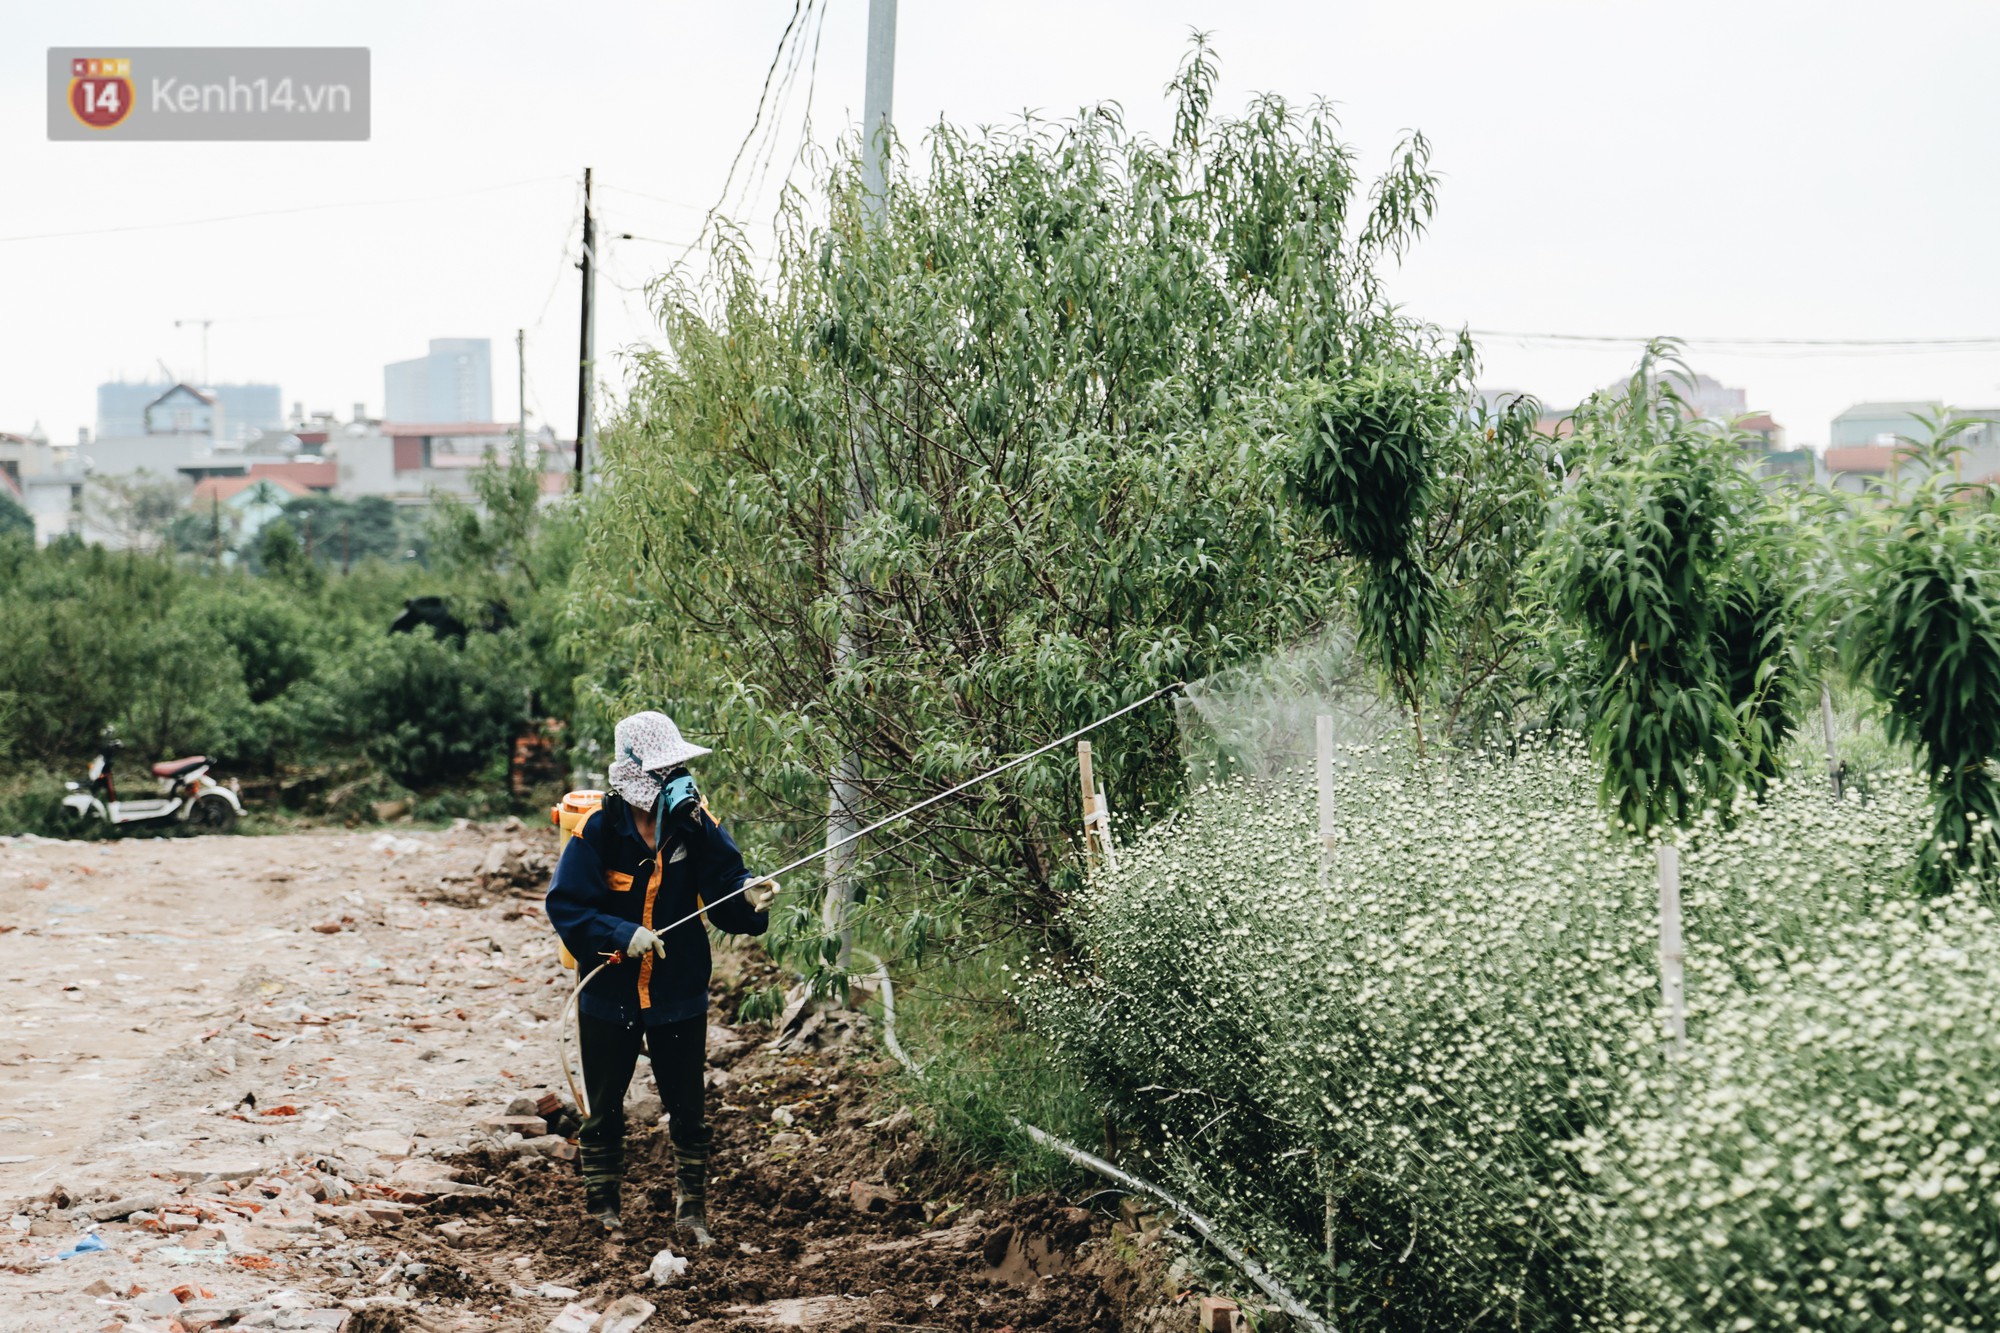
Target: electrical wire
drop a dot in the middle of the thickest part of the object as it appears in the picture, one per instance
(279, 212)
(754, 189)
(1960, 341)
(1763, 349)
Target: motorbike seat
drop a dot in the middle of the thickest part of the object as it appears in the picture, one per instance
(173, 768)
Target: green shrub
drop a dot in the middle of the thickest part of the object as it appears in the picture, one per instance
(31, 802)
(431, 712)
(16, 524)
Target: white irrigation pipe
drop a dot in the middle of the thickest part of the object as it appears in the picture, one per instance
(562, 1029)
(1207, 1230)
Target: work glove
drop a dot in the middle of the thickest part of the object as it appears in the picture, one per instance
(759, 893)
(645, 941)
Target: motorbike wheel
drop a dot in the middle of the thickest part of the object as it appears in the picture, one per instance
(212, 814)
(73, 823)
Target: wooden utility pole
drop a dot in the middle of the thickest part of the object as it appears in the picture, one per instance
(843, 812)
(587, 356)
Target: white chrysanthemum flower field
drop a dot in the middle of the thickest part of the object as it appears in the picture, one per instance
(1446, 1040)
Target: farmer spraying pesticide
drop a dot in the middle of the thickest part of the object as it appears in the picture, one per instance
(629, 892)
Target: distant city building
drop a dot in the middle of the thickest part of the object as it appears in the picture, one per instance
(1875, 443)
(253, 501)
(1878, 424)
(453, 383)
(1711, 398)
(245, 409)
(46, 481)
(183, 410)
(1706, 397)
(408, 461)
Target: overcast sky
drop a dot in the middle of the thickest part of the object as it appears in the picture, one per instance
(1752, 169)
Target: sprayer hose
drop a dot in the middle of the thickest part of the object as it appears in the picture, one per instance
(562, 1034)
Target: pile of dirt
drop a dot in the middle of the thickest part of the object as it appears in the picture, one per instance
(829, 1209)
(512, 866)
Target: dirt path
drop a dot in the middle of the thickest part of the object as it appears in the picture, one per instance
(255, 1071)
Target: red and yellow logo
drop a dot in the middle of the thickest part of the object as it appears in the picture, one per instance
(100, 91)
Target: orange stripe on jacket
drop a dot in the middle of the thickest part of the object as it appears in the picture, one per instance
(646, 920)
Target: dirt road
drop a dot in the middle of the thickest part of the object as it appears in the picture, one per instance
(253, 1082)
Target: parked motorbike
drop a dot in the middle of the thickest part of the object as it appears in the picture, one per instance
(188, 795)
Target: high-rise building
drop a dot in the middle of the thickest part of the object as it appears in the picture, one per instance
(454, 382)
(246, 408)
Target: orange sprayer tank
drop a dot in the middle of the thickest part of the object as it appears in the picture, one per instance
(568, 817)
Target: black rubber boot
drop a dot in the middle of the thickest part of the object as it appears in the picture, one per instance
(602, 1157)
(691, 1194)
(600, 1200)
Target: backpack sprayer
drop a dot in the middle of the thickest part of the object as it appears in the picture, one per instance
(574, 810)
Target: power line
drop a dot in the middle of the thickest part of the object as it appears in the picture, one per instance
(1859, 343)
(800, 8)
(564, 260)
(671, 203)
(688, 247)
(278, 212)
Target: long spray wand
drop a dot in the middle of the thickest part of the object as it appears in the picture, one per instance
(836, 844)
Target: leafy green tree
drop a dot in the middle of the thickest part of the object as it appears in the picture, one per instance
(348, 531)
(75, 622)
(1923, 634)
(432, 712)
(1043, 419)
(278, 551)
(513, 548)
(135, 511)
(14, 520)
(1665, 557)
(1376, 453)
(1668, 558)
(208, 531)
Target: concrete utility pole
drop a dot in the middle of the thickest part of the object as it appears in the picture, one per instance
(521, 391)
(587, 358)
(843, 816)
(876, 97)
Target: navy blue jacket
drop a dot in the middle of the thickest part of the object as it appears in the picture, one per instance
(609, 882)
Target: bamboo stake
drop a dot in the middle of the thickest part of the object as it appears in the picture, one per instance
(1832, 753)
(1323, 770)
(1089, 785)
(1672, 973)
(1332, 1267)
(1103, 818)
